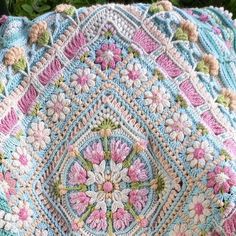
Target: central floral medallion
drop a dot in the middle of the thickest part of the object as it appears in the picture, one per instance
(108, 184)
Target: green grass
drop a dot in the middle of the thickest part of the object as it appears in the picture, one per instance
(33, 8)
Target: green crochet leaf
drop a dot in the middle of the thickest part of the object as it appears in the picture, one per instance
(44, 39)
(181, 35)
(20, 65)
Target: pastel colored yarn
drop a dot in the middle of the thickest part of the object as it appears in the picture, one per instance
(118, 120)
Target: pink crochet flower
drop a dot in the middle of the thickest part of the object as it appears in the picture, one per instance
(79, 202)
(77, 174)
(108, 56)
(137, 172)
(8, 184)
(94, 153)
(97, 220)
(221, 179)
(138, 198)
(119, 151)
(122, 219)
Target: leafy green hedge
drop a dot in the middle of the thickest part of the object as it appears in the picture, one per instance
(33, 8)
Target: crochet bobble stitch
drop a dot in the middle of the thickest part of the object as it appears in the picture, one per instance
(118, 120)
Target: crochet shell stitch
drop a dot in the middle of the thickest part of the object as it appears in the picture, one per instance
(118, 120)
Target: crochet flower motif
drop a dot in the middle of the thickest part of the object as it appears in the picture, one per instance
(15, 57)
(161, 6)
(199, 153)
(21, 160)
(178, 126)
(108, 55)
(38, 136)
(108, 183)
(7, 184)
(24, 214)
(83, 80)
(208, 65)
(66, 9)
(39, 33)
(180, 229)
(134, 75)
(108, 186)
(221, 179)
(98, 220)
(122, 219)
(157, 99)
(58, 107)
(199, 209)
(227, 98)
(187, 32)
(108, 30)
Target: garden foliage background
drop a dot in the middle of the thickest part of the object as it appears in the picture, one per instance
(33, 8)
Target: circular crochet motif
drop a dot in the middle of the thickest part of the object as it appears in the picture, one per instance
(118, 120)
(110, 182)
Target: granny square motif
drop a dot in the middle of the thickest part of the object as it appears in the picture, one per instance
(118, 120)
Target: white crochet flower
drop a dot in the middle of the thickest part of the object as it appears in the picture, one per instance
(58, 107)
(24, 214)
(199, 209)
(21, 160)
(134, 75)
(178, 126)
(180, 229)
(108, 181)
(83, 80)
(38, 136)
(157, 99)
(199, 153)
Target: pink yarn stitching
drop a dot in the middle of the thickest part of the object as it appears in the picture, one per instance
(191, 93)
(74, 45)
(210, 120)
(8, 122)
(50, 72)
(28, 99)
(169, 66)
(231, 145)
(230, 225)
(145, 41)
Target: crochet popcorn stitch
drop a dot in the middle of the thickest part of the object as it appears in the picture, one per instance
(118, 120)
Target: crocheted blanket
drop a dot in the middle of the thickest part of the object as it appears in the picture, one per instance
(118, 120)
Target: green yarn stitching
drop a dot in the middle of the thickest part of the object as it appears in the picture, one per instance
(182, 101)
(202, 67)
(154, 8)
(225, 101)
(70, 11)
(202, 128)
(1, 87)
(44, 38)
(181, 35)
(20, 65)
(160, 184)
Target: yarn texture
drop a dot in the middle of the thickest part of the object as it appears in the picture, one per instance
(118, 120)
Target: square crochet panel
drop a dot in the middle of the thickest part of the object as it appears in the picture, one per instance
(118, 120)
